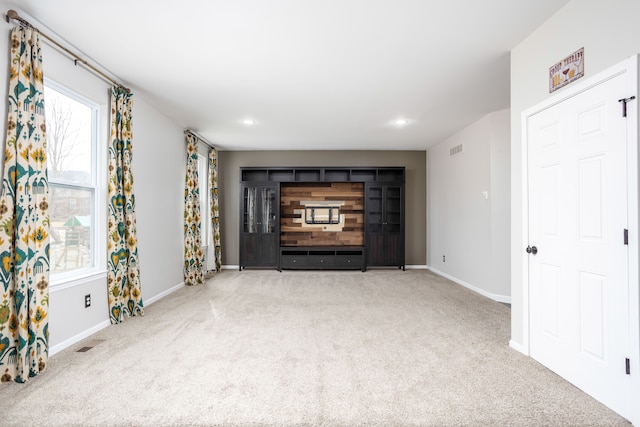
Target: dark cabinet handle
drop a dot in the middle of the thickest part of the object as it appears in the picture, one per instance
(532, 250)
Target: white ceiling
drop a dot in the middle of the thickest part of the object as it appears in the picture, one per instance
(323, 74)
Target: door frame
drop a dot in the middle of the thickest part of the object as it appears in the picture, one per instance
(630, 66)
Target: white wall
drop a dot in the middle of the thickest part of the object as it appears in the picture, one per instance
(158, 166)
(609, 32)
(500, 201)
(471, 232)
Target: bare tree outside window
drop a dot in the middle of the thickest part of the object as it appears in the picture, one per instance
(71, 182)
(68, 139)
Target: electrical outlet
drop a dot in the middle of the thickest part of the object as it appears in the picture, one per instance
(444, 259)
(87, 301)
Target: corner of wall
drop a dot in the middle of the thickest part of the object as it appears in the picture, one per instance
(468, 205)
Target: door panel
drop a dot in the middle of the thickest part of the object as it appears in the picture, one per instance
(375, 249)
(250, 249)
(269, 249)
(269, 214)
(250, 219)
(550, 299)
(393, 249)
(593, 315)
(548, 207)
(590, 207)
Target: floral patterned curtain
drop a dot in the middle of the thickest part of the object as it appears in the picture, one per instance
(24, 217)
(215, 209)
(123, 270)
(193, 253)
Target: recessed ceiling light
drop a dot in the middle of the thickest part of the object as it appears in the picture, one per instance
(400, 122)
(249, 122)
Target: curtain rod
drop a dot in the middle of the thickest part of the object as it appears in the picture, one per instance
(12, 14)
(201, 139)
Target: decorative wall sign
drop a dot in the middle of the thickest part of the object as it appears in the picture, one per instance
(566, 71)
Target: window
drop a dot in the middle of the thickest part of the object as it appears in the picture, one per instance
(71, 159)
(203, 183)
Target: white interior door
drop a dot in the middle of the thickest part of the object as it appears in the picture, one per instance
(579, 317)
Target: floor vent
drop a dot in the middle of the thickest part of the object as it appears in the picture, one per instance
(455, 150)
(89, 346)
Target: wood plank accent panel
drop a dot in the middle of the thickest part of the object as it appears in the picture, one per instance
(294, 233)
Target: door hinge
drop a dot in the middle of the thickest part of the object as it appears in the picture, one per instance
(624, 104)
(626, 236)
(628, 366)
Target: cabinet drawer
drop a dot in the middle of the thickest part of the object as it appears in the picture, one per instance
(321, 260)
(354, 261)
(294, 261)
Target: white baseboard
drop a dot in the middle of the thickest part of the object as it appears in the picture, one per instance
(407, 267)
(519, 347)
(499, 298)
(416, 267)
(79, 337)
(163, 294)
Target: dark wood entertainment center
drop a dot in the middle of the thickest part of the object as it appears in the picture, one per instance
(322, 217)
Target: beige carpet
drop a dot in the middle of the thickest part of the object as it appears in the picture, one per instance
(255, 348)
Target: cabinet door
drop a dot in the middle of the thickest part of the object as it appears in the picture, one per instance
(374, 214)
(260, 226)
(249, 233)
(392, 218)
(268, 225)
(250, 210)
(393, 225)
(384, 225)
(374, 209)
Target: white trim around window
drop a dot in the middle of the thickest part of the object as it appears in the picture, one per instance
(94, 187)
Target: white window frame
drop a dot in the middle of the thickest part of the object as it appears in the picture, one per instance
(79, 276)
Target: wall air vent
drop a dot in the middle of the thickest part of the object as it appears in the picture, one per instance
(455, 150)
